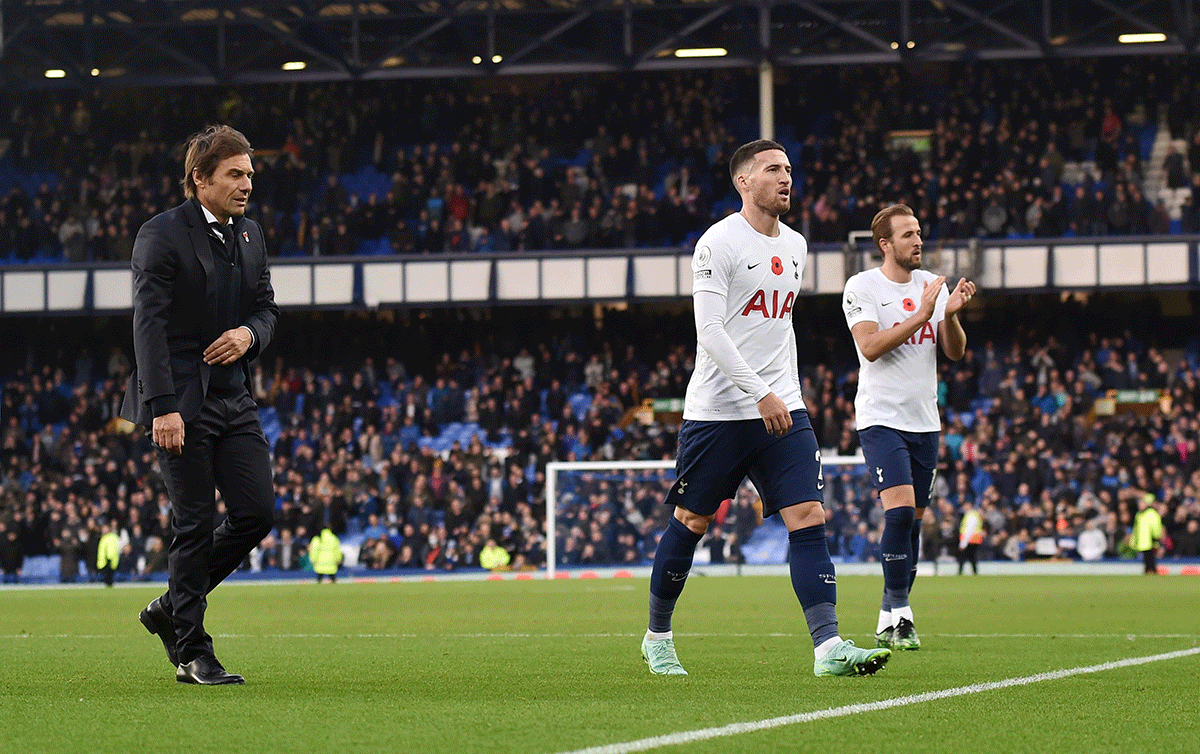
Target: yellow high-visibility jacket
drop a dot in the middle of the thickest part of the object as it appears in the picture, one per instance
(325, 552)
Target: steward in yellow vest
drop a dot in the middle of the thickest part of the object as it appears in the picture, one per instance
(325, 552)
(1147, 532)
(108, 553)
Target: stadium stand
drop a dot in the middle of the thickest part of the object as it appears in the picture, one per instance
(1005, 150)
(417, 462)
(419, 451)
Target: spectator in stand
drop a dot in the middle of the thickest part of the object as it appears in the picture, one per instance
(994, 155)
(1092, 544)
(1187, 543)
(12, 557)
(1098, 457)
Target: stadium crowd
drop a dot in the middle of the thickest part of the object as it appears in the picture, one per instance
(443, 467)
(608, 161)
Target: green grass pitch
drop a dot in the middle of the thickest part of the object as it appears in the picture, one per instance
(551, 667)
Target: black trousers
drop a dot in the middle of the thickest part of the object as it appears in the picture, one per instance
(969, 554)
(1150, 560)
(224, 448)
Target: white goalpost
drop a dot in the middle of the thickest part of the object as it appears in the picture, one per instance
(554, 467)
(552, 470)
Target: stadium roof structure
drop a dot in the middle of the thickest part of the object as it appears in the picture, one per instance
(73, 43)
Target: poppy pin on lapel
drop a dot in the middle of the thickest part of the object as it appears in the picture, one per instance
(245, 236)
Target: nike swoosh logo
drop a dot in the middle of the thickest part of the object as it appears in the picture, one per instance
(885, 304)
(752, 266)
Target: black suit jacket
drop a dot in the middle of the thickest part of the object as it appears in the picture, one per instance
(175, 308)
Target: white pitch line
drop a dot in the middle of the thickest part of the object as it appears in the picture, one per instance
(612, 635)
(734, 729)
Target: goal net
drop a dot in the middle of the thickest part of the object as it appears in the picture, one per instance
(582, 496)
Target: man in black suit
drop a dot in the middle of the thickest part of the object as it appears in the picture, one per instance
(203, 307)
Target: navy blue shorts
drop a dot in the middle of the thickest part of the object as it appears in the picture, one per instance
(895, 457)
(715, 456)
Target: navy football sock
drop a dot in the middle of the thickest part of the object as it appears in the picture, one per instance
(672, 562)
(896, 546)
(916, 552)
(814, 581)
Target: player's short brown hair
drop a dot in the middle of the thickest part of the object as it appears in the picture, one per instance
(745, 153)
(206, 149)
(881, 226)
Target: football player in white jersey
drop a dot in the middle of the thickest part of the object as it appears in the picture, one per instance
(744, 416)
(898, 314)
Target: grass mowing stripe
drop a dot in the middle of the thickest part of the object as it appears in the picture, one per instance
(609, 635)
(733, 729)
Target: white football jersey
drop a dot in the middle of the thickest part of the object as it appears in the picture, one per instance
(899, 389)
(759, 277)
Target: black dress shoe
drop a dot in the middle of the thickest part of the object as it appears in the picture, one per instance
(206, 671)
(156, 621)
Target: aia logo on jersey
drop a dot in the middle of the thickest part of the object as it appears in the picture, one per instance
(926, 333)
(777, 265)
(772, 309)
(908, 305)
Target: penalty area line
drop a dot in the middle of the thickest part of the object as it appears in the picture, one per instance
(735, 729)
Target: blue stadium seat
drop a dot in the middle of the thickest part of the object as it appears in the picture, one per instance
(1146, 136)
(409, 435)
(374, 247)
(582, 158)
(725, 206)
(981, 404)
(768, 543)
(271, 426)
(41, 569)
(426, 442)
(580, 402)
(386, 397)
(466, 429)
